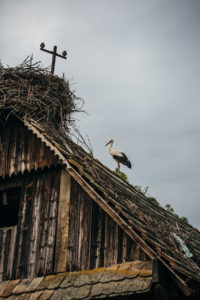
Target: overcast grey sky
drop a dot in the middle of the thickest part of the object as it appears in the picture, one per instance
(136, 64)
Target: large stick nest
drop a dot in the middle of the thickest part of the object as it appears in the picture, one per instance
(30, 91)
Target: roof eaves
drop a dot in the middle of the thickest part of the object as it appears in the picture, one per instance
(47, 143)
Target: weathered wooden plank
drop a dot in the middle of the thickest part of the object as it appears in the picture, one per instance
(34, 231)
(6, 252)
(44, 221)
(2, 252)
(124, 247)
(52, 221)
(120, 246)
(46, 228)
(25, 232)
(11, 252)
(103, 216)
(80, 230)
(13, 143)
(96, 233)
(63, 223)
(20, 150)
(18, 245)
(74, 217)
(131, 250)
(84, 231)
(111, 240)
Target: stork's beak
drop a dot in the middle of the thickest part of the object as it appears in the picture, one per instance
(108, 143)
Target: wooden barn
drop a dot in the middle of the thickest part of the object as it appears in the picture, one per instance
(70, 228)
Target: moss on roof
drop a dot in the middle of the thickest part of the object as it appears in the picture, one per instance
(124, 279)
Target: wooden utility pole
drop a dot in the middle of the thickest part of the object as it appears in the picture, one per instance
(54, 53)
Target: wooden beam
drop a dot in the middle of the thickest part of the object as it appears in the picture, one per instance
(63, 222)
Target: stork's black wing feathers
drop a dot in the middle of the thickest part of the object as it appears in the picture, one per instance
(123, 159)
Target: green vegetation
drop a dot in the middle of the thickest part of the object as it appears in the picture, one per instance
(144, 191)
(168, 207)
(153, 200)
(122, 175)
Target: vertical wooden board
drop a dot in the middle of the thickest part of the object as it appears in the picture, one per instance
(6, 252)
(1, 257)
(34, 228)
(18, 150)
(129, 249)
(124, 247)
(6, 157)
(2, 151)
(120, 246)
(129, 252)
(62, 223)
(52, 221)
(43, 228)
(102, 247)
(80, 230)
(74, 221)
(133, 251)
(107, 241)
(142, 254)
(11, 252)
(18, 153)
(111, 242)
(2, 252)
(6, 235)
(45, 246)
(21, 152)
(136, 253)
(99, 237)
(26, 152)
(12, 149)
(96, 232)
(85, 232)
(25, 232)
(114, 242)
(20, 226)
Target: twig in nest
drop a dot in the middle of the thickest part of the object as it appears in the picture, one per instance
(80, 139)
(30, 91)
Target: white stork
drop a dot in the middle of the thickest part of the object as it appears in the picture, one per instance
(118, 156)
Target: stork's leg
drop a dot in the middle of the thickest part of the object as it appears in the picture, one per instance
(118, 167)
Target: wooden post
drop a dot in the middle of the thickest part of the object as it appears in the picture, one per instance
(54, 53)
(53, 59)
(63, 223)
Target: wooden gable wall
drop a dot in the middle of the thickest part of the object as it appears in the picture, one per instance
(34, 247)
(21, 151)
(28, 249)
(60, 228)
(93, 239)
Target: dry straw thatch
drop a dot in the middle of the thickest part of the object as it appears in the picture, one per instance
(30, 91)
